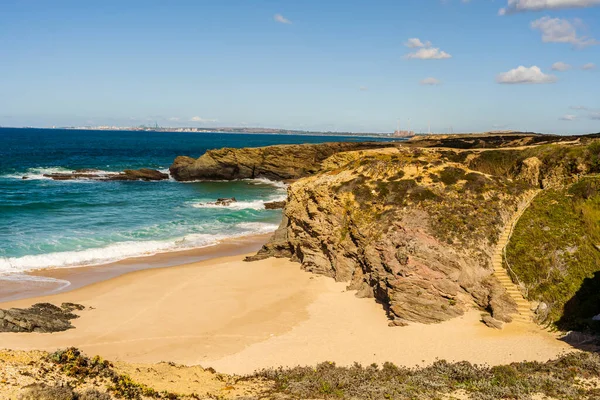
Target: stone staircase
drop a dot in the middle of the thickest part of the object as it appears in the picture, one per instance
(503, 276)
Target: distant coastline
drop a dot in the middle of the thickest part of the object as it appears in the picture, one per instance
(245, 130)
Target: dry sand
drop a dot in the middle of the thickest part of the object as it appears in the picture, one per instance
(238, 317)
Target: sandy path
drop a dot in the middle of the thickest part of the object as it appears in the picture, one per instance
(237, 317)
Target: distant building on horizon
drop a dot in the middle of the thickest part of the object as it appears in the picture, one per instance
(398, 133)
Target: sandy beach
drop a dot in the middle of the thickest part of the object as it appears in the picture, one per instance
(238, 317)
(59, 280)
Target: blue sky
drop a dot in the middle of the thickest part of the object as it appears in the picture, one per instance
(310, 64)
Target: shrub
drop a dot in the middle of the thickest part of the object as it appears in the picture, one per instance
(75, 364)
(39, 391)
(476, 182)
(557, 378)
(451, 175)
(93, 394)
(496, 162)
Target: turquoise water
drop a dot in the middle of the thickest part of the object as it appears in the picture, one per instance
(46, 223)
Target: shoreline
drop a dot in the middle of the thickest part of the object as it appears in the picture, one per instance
(60, 280)
(238, 317)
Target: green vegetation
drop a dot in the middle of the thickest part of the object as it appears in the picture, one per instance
(559, 379)
(465, 207)
(554, 250)
(562, 161)
(39, 391)
(451, 175)
(73, 363)
(497, 162)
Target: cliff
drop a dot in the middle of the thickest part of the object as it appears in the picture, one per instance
(409, 227)
(415, 228)
(414, 225)
(280, 162)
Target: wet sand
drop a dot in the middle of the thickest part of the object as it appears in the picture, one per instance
(238, 317)
(58, 280)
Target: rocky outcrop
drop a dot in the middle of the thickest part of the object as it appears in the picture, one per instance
(491, 140)
(404, 226)
(41, 317)
(274, 205)
(143, 174)
(280, 162)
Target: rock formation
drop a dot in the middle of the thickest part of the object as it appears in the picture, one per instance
(143, 174)
(41, 317)
(274, 205)
(282, 162)
(409, 227)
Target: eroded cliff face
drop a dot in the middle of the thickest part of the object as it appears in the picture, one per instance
(281, 162)
(409, 227)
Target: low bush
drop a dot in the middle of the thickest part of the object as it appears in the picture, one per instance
(39, 391)
(451, 175)
(558, 378)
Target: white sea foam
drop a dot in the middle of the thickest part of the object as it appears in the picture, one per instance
(240, 205)
(258, 227)
(265, 181)
(123, 250)
(39, 280)
(39, 172)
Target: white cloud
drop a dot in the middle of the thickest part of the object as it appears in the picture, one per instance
(363, 88)
(174, 119)
(425, 52)
(578, 108)
(560, 66)
(414, 43)
(431, 81)
(201, 120)
(515, 6)
(556, 30)
(281, 19)
(523, 74)
(568, 117)
(431, 53)
(595, 116)
(589, 66)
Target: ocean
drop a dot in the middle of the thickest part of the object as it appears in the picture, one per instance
(56, 224)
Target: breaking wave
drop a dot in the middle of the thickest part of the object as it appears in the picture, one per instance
(123, 250)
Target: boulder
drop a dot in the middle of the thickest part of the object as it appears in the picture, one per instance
(274, 205)
(225, 201)
(41, 317)
(492, 322)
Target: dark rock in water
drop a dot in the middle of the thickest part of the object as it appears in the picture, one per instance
(275, 205)
(280, 162)
(25, 177)
(41, 317)
(225, 201)
(143, 174)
